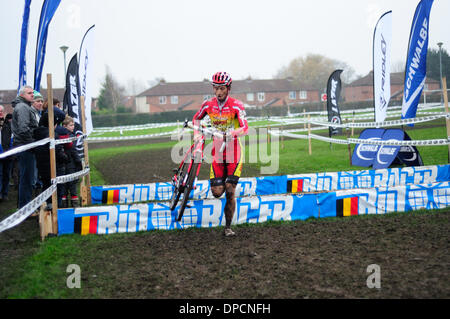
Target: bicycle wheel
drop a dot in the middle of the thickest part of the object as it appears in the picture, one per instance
(187, 190)
(177, 183)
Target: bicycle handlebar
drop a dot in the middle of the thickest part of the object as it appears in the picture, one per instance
(212, 132)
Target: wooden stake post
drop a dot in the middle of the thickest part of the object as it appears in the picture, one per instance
(48, 220)
(304, 118)
(447, 121)
(349, 148)
(86, 183)
(309, 135)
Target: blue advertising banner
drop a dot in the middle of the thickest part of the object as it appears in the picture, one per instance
(48, 10)
(253, 209)
(23, 46)
(365, 154)
(409, 155)
(382, 156)
(258, 186)
(387, 153)
(416, 62)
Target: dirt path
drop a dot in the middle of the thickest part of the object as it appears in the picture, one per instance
(314, 259)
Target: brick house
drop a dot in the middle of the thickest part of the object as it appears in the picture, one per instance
(7, 96)
(362, 89)
(253, 93)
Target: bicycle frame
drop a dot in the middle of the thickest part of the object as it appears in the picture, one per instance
(196, 148)
(183, 182)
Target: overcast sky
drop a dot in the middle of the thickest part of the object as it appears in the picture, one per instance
(189, 40)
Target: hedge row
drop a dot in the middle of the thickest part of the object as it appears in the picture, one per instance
(123, 119)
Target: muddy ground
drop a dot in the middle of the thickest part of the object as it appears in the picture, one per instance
(325, 258)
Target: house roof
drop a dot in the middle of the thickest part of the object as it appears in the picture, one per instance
(239, 86)
(396, 79)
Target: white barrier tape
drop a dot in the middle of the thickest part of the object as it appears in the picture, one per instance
(44, 141)
(133, 127)
(296, 118)
(27, 210)
(69, 139)
(435, 142)
(23, 148)
(135, 137)
(329, 139)
(71, 177)
(31, 207)
(381, 124)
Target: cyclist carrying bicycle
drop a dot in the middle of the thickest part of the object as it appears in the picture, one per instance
(227, 115)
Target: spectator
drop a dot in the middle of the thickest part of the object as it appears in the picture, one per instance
(56, 103)
(38, 104)
(73, 164)
(43, 153)
(5, 144)
(24, 121)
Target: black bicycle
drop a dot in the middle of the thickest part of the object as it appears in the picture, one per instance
(183, 181)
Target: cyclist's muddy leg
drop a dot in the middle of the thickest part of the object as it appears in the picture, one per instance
(230, 206)
(217, 191)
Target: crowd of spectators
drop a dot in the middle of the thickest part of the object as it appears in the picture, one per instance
(29, 123)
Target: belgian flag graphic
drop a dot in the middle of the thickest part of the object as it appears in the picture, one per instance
(295, 186)
(347, 206)
(85, 225)
(110, 196)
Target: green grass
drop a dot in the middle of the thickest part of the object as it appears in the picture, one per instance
(294, 154)
(136, 132)
(97, 155)
(43, 273)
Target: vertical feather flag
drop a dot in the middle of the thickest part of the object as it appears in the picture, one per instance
(382, 65)
(416, 62)
(48, 10)
(23, 46)
(86, 74)
(333, 95)
(71, 102)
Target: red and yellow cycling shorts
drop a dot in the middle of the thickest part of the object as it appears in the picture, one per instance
(226, 166)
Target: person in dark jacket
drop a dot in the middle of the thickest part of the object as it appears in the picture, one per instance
(5, 145)
(73, 164)
(23, 123)
(43, 152)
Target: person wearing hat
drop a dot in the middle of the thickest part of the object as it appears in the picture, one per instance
(24, 121)
(38, 105)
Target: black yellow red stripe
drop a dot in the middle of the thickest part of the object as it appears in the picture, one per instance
(85, 225)
(347, 206)
(295, 185)
(110, 196)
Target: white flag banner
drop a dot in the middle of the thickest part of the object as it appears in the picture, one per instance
(382, 43)
(86, 73)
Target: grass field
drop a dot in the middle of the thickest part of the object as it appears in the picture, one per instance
(272, 260)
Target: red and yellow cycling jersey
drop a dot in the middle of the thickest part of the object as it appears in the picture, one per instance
(228, 117)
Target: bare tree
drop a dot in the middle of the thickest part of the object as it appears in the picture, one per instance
(134, 87)
(111, 93)
(314, 70)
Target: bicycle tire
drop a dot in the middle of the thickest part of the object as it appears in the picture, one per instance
(187, 190)
(177, 189)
